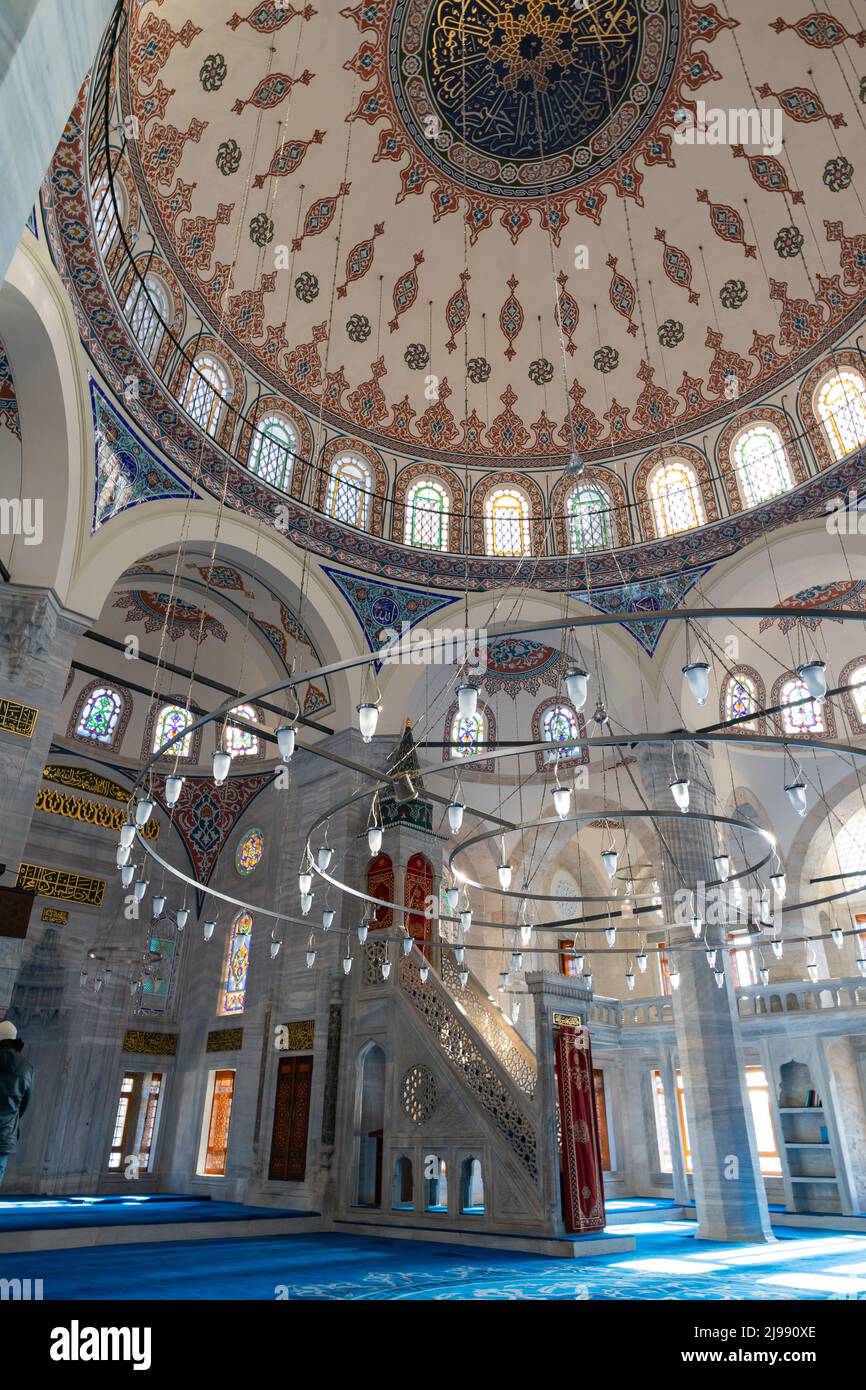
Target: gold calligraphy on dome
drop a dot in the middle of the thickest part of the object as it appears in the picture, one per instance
(90, 812)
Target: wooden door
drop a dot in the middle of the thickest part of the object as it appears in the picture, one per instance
(291, 1119)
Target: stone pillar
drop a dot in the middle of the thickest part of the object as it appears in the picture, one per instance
(729, 1190)
(37, 639)
(46, 49)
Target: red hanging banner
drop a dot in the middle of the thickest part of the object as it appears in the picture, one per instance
(582, 1183)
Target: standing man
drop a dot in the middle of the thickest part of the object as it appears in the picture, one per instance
(16, 1084)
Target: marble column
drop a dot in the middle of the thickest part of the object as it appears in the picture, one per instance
(37, 639)
(729, 1190)
(46, 49)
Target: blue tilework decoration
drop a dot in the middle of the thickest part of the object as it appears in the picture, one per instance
(32, 223)
(379, 607)
(650, 596)
(127, 471)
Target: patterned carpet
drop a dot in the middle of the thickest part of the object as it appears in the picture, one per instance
(668, 1263)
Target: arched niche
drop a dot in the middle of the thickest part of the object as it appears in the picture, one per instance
(370, 1109)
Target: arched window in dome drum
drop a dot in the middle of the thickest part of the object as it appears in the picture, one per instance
(207, 389)
(242, 743)
(349, 488)
(147, 313)
(273, 450)
(506, 522)
(741, 698)
(589, 513)
(558, 725)
(467, 734)
(100, 715)
(761, 461)
(170, 720)
(806, 718)
(426, 515)
(676, 498)
(841, 403)
(857, 679)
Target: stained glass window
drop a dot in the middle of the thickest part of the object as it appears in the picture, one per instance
(105, 215)
(147, 312)
(762, 464)
(467, 735)
(807, 718)
(741, 697)
(842, 408)
(249, 851)
(273, 450)
(560, 723)
(242, 743)
(207, 388)
(589, 517)
(172, 720)
(506, 520)
(676, 498)
(426, 524)
(100, 714)
(857, 676)
(349, 490)
(234, 988)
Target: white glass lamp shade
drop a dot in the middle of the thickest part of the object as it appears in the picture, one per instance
(327, 918)
(463, 977)
(503, 980)
(796, 794)
(577, 685)
(181, 917)
(455, 816)
(562, 801)
(610, 935)
(813, 674)
(368, 718)
(641, 959)
(723, 866)
(127, 834)
(712, 957)
(324, 857)
(515, 1010)
(504, 872)
(629, 979)
(139, 888)
(763, 975)
(697, 925)
(777, 948)
(587, 981)
(305, 881)
(386, 969)
(143, 811)
(286, 742)
(778, 884)
(408, 943)
(306, 903)
(525, 933)
(374, 838)
(467, 701)
(837, 936)
(123, 855)
(208, 929)
(275, 949)
(720, 979)
(680, 792)
(578, 963)
(423, 972)
(459, 954)
(347, 964)
(127, 874)
(697, 673)
(363, 929)
(517, 961)
(221, 766)
(609, 859)
(812, 971)
(158, 904)
(466, 919)
(173, 789)
(452, 897)
(311, 959)
(674, 977)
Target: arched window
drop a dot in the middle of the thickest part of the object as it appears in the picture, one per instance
(807, 718)
(242, 743)
(761, 461)
(506, 522)
(557, 726)
(589, 518)
(105, 218)
(436, 1183)
(380, 884)
(370, 1109)
(467, 734)
(404, 1186)
(841, 404)
(857, 678)
(273, 450)
(207, 390)
(100, 715)
(676, 498)
(426, 523)
(172, 720)
(147, 312)
(741, 697)
(233, 990)
(471, 1188)
(349, 490)
(849, 849)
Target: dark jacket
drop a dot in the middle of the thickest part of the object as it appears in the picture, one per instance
(16, 1084)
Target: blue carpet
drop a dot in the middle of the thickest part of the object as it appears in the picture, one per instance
(667, 1264)
(60, 1213)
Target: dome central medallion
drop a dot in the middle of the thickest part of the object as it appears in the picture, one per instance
(526, 98)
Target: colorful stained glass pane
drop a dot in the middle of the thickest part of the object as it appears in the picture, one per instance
(806, 718)
(559, 725)
(100, 715)
(250, 851)
(466, 735)
(590, 519)
(172, 720)
(234, 988)
(242, 743)
(741, 698)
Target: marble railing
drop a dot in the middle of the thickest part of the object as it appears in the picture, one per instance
(498, 1032)
(755, 1001)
